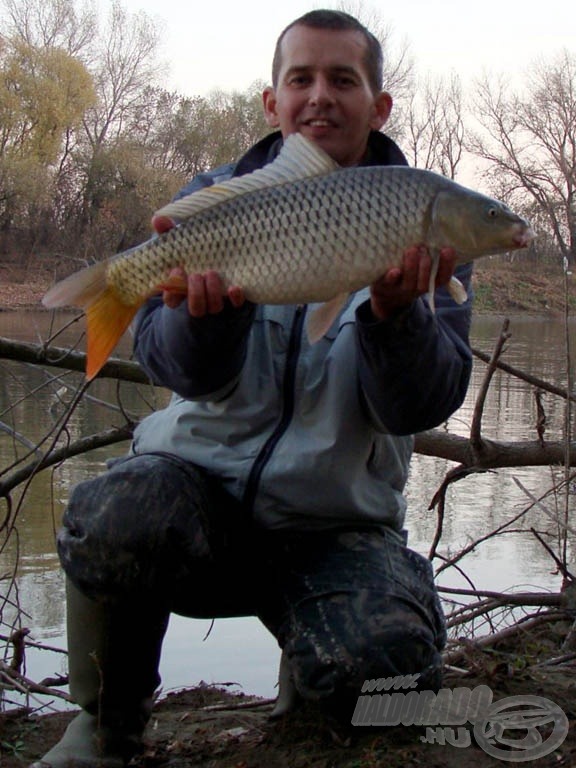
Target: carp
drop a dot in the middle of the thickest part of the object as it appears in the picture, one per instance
(300, 230)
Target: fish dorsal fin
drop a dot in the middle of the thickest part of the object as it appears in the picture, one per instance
(298, 159)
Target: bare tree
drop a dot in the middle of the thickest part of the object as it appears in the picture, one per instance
(125, 68)
(433, 135)
(528, 139)
(53, 24)
(398, 70)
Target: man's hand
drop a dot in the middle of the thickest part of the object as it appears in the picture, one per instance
(203, 293)
(400, 286)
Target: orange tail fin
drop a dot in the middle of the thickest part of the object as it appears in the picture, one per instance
(107, 317)
(107, 320)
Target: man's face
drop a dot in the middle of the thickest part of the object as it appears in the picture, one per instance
(323, 92)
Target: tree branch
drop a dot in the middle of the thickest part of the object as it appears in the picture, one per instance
(58, 357)
(83, 445)
(476, 441)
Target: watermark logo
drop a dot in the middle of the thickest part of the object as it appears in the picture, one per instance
(510, 730)
(515, 729)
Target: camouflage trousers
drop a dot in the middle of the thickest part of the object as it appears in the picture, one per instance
(157, 535)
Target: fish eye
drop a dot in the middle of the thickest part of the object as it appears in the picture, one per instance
(492, 212)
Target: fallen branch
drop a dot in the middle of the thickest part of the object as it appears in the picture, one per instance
(239, 705)
(12, 680)
(58, 357)
(83, 445)
(468, 613)
(36, 646)
(495, 455)
(476, 442)
(521, 627)
(527, 377)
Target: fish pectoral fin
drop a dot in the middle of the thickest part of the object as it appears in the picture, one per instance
(432, 281)
(455, 287)
(323, 316)
(457, 290)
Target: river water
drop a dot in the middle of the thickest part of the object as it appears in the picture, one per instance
(240, 650)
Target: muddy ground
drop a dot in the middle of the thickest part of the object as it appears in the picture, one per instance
(187, 731)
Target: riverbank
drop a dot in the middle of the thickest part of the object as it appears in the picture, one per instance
(212, 727)
(499, 288)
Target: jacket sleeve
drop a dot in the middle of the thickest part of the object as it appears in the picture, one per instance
(196, 358)
(414, 370)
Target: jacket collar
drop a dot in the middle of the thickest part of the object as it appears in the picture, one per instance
(382, 150)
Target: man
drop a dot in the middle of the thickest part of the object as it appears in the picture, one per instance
(272, 483)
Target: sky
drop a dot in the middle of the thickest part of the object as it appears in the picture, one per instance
(228, 44)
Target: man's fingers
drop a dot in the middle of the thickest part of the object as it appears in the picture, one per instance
(173, 298)
(214, 293)
(162, 224)
(205, 294)
(196, 295)
(236, 296)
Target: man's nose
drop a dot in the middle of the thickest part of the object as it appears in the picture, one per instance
(320, 92)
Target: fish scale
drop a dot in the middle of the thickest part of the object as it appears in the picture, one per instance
(299, 230)
(338, 209)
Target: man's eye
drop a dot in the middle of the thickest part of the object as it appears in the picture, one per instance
(344, 82)
(299, 80)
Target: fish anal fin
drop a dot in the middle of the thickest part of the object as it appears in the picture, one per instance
(107, 320)
(457, 290)
(323, 316)
(174, 284)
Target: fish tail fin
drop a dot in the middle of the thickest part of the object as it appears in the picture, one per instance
(107, 317)
(79, 289)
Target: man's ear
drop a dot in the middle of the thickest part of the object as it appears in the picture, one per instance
(269, 102)
(382, 108)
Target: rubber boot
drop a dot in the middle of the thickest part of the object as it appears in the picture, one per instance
(113, 658)
(288, 697)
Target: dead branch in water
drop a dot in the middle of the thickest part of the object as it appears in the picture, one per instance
(58, 455)
(59, 357)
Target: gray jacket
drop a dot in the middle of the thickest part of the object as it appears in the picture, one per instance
(307, 436)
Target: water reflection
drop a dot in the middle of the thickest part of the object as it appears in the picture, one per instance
(32, 401)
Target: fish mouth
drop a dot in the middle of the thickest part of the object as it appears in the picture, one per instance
(524, 237)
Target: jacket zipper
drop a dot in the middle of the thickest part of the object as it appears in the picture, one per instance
(288, 396)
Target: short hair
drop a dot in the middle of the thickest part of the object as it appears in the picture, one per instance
(337, 20)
